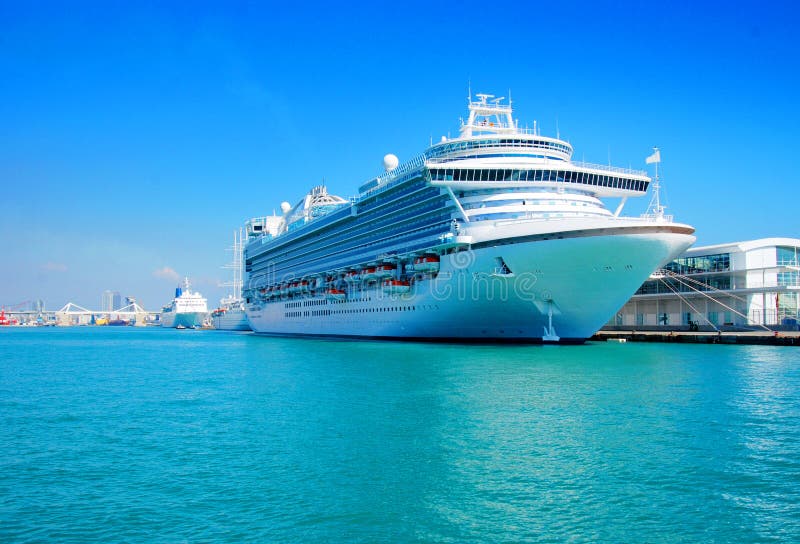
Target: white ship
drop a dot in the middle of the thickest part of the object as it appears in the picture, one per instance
(187, 310)
(495, 235)
(230, 315)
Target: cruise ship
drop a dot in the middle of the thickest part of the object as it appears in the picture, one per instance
(496, 235)
(187, 310)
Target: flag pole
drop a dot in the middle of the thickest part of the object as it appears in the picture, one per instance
(655, 202)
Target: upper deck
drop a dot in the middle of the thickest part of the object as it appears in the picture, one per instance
(490, 139)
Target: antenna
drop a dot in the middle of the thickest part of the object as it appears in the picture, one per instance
(469, 90)
(558, 132)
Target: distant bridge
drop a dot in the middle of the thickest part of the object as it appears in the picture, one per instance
(73, 314)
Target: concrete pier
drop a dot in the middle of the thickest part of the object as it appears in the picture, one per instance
(770, 338)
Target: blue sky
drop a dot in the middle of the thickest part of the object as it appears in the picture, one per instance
(136, 136)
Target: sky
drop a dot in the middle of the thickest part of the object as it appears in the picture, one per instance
(135, 137)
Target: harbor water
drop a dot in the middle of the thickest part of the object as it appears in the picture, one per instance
(151, 435)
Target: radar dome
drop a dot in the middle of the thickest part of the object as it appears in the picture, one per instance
(390, 162)
(285, 207)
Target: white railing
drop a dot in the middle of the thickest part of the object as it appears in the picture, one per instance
(608, 168)
(657, 218)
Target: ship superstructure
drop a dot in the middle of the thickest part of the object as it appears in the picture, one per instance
(495, 235)
(187, 310)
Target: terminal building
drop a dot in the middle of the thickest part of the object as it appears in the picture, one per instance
(753, 284)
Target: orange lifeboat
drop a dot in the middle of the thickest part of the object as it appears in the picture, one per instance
(335, 294)
(396, 286)
(385, 270)
(369, 273)
(426, 263)
(3, 319)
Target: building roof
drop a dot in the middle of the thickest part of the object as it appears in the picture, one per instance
(746, 245)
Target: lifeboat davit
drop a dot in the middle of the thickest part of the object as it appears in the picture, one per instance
(335, 294)
(352, 276)
(396, 286)
(426, 263)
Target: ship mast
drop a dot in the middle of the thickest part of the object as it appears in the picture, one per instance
(488, 115)
(236, 265)
(655, 209)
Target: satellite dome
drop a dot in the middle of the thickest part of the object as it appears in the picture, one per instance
(390, 162)
(285, 207)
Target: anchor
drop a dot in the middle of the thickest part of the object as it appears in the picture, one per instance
(549, 332)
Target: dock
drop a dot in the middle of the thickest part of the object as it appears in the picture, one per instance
(766, 338)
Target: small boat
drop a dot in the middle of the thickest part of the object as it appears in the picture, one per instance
(370, 273)
(385, 270)
(426, 263)
(335, 294)
(396, 286)
(119, 322)
(352, 276)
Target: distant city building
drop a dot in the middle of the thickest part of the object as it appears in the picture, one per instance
(741, 284)
(111, 301)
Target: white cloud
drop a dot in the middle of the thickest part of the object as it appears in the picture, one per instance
(166, 273)
(54, 267)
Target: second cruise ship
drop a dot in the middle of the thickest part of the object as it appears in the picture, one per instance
(495, 235)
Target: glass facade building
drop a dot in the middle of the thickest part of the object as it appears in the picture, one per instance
(749, 284)
(111, 301)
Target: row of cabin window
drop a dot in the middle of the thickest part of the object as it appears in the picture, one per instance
(390, 195)
(533, 215)
(568, 176)
(528, 202)
(364, 223)
(291, 264)
(352, 236)
(316, 313)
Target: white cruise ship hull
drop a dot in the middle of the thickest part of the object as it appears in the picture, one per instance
(559, 287)
(231, 320)
(182, 319)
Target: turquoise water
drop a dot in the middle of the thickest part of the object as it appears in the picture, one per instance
(142, 435)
